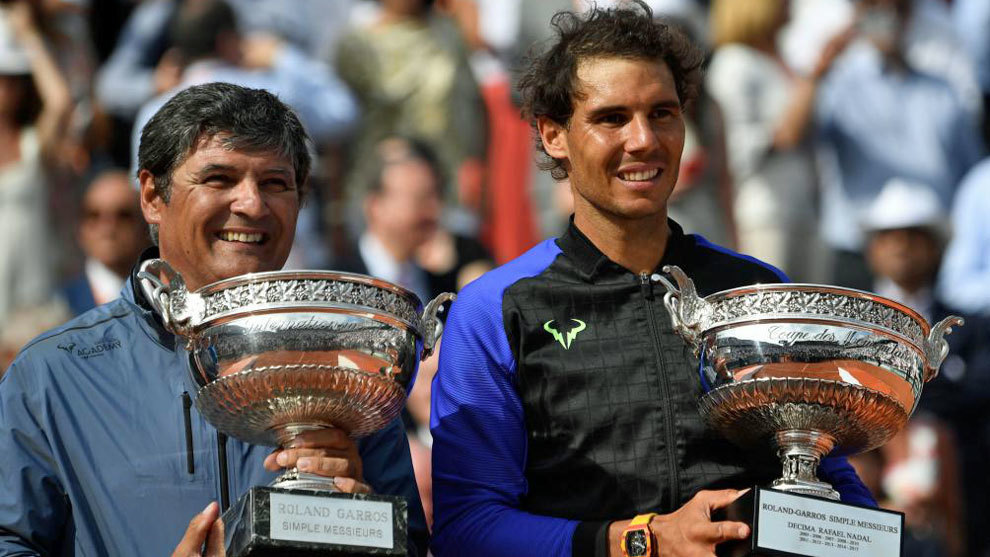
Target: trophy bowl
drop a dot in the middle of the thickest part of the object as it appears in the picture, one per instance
(809, 369)
(279, 353)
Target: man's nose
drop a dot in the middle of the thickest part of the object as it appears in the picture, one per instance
(641, 134)
(248, 200)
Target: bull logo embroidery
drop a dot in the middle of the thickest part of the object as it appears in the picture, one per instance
(565, 339)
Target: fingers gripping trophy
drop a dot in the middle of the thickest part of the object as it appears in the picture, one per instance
(276, 354)
(807, 370)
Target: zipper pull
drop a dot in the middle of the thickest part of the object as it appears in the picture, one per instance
(646, 285)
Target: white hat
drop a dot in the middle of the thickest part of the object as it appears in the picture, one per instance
(905, 204)
(13, 59)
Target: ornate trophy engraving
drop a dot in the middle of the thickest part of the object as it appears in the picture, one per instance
(280, 353)
(809, 370)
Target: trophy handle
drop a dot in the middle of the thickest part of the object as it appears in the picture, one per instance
(684, 305)
(432, 324)
(936, 347)
(173, 302)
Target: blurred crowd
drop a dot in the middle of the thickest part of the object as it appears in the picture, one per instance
(840, 140)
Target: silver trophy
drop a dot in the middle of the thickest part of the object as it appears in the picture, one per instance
(809, 370)
(279, 353)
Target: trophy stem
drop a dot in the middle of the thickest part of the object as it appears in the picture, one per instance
(800, 452)
(293, 478)
(286, 434)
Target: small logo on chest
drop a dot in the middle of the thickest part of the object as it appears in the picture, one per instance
(86, 352)
(565, 339)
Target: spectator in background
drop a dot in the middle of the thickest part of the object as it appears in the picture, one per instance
(880, 117)
(768, 113)
(409, 69)
(402, 207)
(403, 241)
(207, 41)
(906, 230)
(702, 199)
(112, 234)
(916, 473)
(402, 210)
(509, 223)
(143, 63)
(140, 66)
(25, 323)
(965, 277)
(972, 20)
(34, 102)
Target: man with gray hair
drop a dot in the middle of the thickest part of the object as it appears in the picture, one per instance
(102, 452)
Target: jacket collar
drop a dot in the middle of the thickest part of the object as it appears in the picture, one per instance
(592, 263)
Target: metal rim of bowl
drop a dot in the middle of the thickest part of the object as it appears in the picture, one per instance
(722, 298)
(405, 313)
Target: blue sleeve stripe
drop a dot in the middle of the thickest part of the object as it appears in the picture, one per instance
(702, 241)
(479, 429)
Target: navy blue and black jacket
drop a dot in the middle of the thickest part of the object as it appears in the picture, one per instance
(564, 400)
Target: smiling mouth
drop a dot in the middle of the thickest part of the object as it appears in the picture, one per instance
(641, 176)
(243, 238)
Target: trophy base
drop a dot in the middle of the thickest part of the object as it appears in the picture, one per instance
(800, 525)
(296, 522)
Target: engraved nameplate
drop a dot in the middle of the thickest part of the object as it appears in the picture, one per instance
(813, 527)
(333, 520)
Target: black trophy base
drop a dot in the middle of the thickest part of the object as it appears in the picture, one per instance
(792, 524)
(294, 522)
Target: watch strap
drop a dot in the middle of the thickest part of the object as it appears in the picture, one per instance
(641, 519)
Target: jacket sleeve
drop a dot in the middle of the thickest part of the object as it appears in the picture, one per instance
(838, 472)
(479, 443)
(388, 469)
(33, 505)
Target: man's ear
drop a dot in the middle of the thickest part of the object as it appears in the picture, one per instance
(151, 203)
(553, 136)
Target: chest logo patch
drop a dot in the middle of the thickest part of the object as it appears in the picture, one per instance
(105, 346)
(565, 339)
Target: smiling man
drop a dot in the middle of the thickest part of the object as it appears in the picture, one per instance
(102, 451)
(565, 407)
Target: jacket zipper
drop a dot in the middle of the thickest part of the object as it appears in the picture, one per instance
(186, 406)
(646, 284)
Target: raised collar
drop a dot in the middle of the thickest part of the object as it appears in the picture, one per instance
(592, 263)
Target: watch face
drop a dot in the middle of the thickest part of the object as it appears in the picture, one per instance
(637, 543)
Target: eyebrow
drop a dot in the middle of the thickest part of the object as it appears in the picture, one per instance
(202, 172)
(608, 109)
(214, 167)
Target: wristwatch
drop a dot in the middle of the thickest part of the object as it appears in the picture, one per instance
(637, 538)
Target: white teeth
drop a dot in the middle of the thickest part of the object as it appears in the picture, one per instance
(639, 176)
(241, 237)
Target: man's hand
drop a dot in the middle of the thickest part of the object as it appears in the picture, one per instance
(326, 452)
(205, 528)
(689, 531)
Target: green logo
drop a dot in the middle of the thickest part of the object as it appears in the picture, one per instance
(571, 335)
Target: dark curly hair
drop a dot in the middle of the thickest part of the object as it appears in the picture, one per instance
(548, 85)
